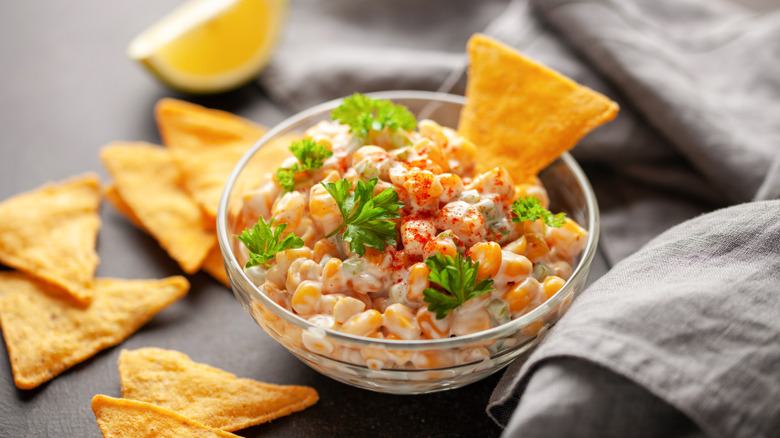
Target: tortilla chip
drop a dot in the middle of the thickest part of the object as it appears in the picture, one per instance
(46, 334)
(15, 282)
(212, 263)
(211, 396)
(216, 267)
(206, 145)
(118, 418)
(267, 159)
(148, 182)
(521, 115)
(51, 232)
(111, 193)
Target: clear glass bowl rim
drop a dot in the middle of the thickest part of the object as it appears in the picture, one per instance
(498, 332)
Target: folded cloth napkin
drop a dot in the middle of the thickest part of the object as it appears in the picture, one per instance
(682, 338)
(693, 318)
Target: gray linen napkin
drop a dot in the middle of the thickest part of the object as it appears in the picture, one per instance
(693, 318)
(683, 336)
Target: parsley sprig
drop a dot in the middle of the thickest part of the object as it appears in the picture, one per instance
(366, 218)
(457, 276)
(310, 154)
(530, 209)
(263, 242)
(364, 114)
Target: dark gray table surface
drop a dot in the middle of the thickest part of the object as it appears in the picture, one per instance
(67, 88)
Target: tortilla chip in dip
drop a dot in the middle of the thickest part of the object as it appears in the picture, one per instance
(522, 115)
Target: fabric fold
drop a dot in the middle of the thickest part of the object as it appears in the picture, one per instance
(692, 318)
(702, 73)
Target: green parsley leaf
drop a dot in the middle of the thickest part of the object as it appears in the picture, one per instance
(286, 178)
(310, 154)
(263, 242)
(457, 276)
(366, 218)
(530, 209)
(364, 114)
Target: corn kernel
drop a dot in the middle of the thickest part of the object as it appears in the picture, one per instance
(433, 359)
(418, 282)
(444, 247)
(452, 186)
(289, 210)
(322, 207)
(552, 284)
(322, 248)
(376, 358)
(465, 153)
(488, 254)
(328, 302)
(285, 258)
(416, 232)
(536, 190)
(496, 180)
(332, 277)
(363, 324)
(470, 321)
(431, 327)
(464, 220)
(562, 269)
(316, 342)
(375, 153)
(518, 246)
(513, 268)
(536, 247)
(568, 239)
(423, 187)
(301, 269)
(427, 148)
(433, 131)
(520, 295)
(346, 307)
(306, 298)
(400, 357)
(399, 320)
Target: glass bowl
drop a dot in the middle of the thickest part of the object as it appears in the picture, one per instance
(451, 362)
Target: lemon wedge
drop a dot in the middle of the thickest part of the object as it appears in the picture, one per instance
(210, 46)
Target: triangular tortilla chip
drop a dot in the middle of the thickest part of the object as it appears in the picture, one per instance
(522, 115)
(264, 163)
(206, 145)
(45, 334)
(148, 182)
(111, 193)
(215, 266)
(212, 264)
(118, 418)
(51, 232)
(13, 282)
(204, 393)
